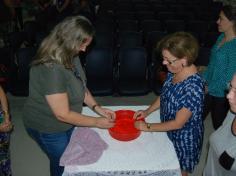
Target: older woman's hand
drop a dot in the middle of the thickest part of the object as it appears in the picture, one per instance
(140, 114)
(141, 125)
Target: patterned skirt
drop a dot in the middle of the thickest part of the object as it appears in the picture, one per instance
(5, 164)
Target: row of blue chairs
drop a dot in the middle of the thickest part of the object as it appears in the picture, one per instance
(126, 73)
(128, 39)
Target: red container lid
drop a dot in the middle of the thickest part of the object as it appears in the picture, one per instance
(124, 129)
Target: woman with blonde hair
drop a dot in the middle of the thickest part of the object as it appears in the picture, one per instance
(57, 90)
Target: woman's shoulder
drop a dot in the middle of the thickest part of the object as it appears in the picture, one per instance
(195, 81)
(48, 70)
(195, 78)
(48, 67)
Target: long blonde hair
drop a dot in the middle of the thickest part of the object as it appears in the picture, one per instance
(60, 45)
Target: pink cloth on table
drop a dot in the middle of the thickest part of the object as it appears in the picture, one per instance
(85, 147)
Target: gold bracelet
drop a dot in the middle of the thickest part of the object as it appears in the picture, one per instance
(148, 126)
(94, 106)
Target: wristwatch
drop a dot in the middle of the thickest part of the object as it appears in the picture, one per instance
(148, 125)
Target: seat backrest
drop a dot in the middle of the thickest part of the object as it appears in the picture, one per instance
(132, 64)
(127, 25)
(144, 15)
(24, 57)
(103, 39)
(122, 15)
(15, 40)
(105, 26)
(150, 25)
(174, 25)
(30, 29)
(99, 64)
(129, 39)
(152, 39)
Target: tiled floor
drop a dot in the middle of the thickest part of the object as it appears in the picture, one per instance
(29, 160)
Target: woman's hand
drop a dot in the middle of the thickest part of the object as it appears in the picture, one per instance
(109, 114)
(6, 126)
(141, 125)
(140, 114)
(102, 122)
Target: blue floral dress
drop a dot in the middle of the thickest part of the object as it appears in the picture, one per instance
(188, 140)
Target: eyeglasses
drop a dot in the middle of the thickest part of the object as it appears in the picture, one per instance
(230, 87)
(170, 62)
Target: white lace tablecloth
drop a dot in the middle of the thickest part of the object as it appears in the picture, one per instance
(151, 154)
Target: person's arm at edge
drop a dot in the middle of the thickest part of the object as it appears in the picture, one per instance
(4, 104)
(6, 125)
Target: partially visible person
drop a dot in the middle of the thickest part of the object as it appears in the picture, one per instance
(6, 15)
(64, 9)
(43, 4)
(9, 5)
(45, 15)
(15, 11)
(5, 128)
(57, 91)
(221, 67)
(18, 17)
(86, 8)
(222, 151)
(181, 100)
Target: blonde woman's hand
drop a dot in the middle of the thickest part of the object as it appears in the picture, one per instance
(104, 123)
(109, 114)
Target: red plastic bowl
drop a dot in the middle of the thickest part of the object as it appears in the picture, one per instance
(124, 129)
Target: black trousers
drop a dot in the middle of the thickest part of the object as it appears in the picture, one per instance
(218, 106)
